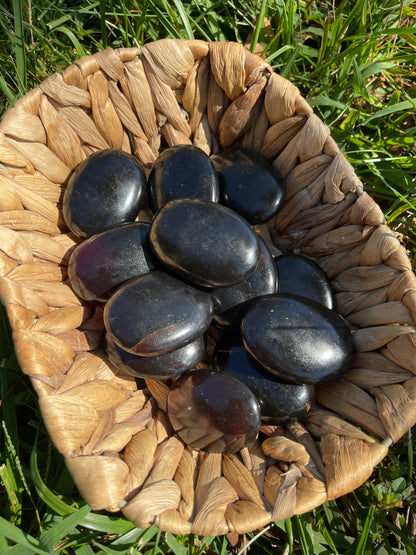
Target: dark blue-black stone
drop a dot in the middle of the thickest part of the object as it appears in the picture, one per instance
(280, 402)
(106, 190)
(231, 303)
(300, 275)
(156, 313)
(169, 365)
(249, 184)
(103, 262)
(213, 411)
(182, 171)
(204, 242)
(296, 339)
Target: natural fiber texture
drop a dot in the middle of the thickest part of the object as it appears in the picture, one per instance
(117, 441)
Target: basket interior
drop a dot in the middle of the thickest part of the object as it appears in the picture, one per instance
(116, 439)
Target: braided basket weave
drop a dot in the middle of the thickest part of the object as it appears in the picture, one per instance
(116, 439)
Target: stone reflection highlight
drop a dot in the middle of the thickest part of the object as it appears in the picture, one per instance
(213, 411)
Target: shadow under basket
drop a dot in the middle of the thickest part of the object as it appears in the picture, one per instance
(116, 439)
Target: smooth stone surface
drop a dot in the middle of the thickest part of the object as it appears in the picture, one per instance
(280, 402)
(162, 367)
(156, 313)
(213, 411)
(182, 171)
(106, 190)
(103, 262)
(231, 303)
(204, 242)
(300, 275)
(296, 339)
(249, 184)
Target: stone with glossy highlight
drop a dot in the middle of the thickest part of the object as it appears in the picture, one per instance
(297, 339)
(182, 171)
(106, 260)
(280, 402)
(107, 189)
(156, 313)
(249, 184)
(162, 367)
(213, 411)
(204, 242)
(300, 275)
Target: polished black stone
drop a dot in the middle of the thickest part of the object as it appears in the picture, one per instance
(298, 340)
(280, 402)
(103, 262)
(213, 411)
(169, 365)
(156, 313)
(182, 171)
(249, 184)
(300, 275)
(106, 190)
(204, 242)
(231, 303)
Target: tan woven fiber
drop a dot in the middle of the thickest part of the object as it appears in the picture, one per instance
(117, 440)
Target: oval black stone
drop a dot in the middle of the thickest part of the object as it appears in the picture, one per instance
(213, 411)
(296, 339)
(106, 190)
(182, 171)
(249, 184)
(162, 367)
(156, 313)
(103, 262)
(204, 242)
(300, 275)
(231, 303)
(280, 402)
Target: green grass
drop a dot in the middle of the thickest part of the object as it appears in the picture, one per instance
(354, 62)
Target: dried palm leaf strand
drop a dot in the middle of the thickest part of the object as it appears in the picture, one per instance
(66, 95)
(241, 114)
(397, 411)
(171, 60)
(43, 159)
(103, 111)
(92, 471)
(219, 494)
(349, 301)
(227, 66)
(241, 480)
(11, 157)
(151, 501)
(245, 516)
(23, 125)
(84, 127)
(401, 349)
(348, 462)
(195, 94)
(352, 403)
(62, 139)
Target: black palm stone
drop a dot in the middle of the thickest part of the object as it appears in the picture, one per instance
(106, 190)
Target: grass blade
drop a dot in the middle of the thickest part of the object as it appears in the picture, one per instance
(19, 45)
(51, 537)
(259, 26)
(102, 24)
(185, 19)
(361, 548)
(399, 107)
(20, 537)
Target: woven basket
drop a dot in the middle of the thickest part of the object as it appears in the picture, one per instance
(116, 439)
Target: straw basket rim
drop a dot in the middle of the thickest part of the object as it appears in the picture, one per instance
(212, 95)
